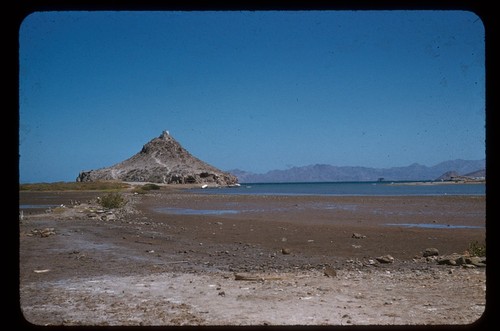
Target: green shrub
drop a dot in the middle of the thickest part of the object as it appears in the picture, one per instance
(150, 186)
(112, 200)
(476, 249)
(146, 188)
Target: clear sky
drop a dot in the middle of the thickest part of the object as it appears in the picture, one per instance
(254, 90)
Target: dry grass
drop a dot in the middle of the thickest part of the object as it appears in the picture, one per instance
(75, 186)
(145, 188)
(477, 249)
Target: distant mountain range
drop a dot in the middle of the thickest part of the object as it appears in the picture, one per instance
(330, 173)
(164, 160)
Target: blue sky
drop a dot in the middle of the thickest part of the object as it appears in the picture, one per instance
(254, 90)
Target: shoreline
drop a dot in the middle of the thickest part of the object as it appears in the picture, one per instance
(466, 182)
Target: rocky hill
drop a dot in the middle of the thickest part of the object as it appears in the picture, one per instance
(162, 160)
(479, 175)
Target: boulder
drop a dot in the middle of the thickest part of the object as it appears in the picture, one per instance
(430, 252)
(385, 259)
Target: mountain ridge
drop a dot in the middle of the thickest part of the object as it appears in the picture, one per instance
(331, 173)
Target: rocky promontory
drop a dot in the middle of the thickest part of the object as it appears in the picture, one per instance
(162, 160)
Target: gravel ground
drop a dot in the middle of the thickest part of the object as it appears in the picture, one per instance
(276, 261)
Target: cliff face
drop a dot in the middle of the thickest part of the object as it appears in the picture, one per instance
(162, 160)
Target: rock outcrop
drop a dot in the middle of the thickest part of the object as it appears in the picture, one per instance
(477, 176)
(162, 160)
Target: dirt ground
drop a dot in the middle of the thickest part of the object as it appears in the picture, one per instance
(177, 258)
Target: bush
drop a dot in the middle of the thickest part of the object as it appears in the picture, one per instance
(476, 249)
(112, 200)
(150, 186)
(146, 188)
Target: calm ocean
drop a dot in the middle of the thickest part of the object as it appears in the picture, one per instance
(350, 188)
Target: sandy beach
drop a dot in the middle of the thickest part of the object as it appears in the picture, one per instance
(172, 257)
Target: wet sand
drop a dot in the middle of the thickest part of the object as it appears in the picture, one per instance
(205, 239)
(323, 226)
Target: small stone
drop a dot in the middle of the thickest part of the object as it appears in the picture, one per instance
(285, 251)
(358, 236)
(330, 272)
(385, 259)
(430, 252)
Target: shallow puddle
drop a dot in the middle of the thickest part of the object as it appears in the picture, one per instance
(187, 211)
(434, 226)
(27, 206)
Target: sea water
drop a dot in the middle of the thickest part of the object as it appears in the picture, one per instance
(352, 189)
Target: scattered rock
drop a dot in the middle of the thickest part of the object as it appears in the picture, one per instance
(330, 272)
(255, 278)
(358, 236)
(430, 252)
(385, 259)
(285, 251)
(462, 260)
(43, 233)
(477, 261)
(108, 217)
